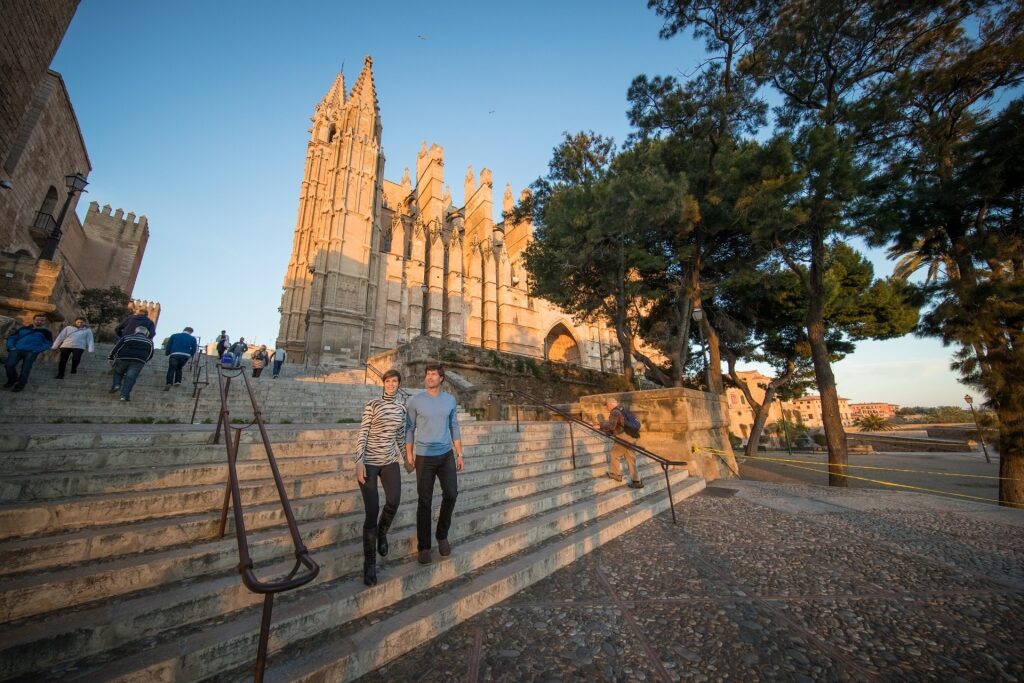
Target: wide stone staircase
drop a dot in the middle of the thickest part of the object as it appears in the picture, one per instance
(111, 569)
(296, 396)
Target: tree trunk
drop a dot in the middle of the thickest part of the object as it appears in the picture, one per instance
(1011, 458)
(832, 421)
(715, 384)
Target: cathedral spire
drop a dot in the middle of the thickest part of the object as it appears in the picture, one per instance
(335, 97)
(364, 90)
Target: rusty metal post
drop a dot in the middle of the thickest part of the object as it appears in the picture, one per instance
(261, 652)
(517, 417)
(232, 459)
(668, 485)
(572, 444)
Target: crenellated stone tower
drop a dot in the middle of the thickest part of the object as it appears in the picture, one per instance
(376, 263)
(331, 284)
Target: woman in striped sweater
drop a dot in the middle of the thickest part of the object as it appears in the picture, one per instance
(381, 440)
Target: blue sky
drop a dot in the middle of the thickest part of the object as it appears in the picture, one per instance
(196, 114)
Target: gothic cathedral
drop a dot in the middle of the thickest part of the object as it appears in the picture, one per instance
(376, 263)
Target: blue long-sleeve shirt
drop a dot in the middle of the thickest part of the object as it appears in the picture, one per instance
(29, 338)
(432, 423)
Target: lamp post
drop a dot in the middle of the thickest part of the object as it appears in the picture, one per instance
(785, 427)
(981, 437)
(698, 316)
(76, 183)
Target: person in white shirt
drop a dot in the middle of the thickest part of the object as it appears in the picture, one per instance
(73, 341)
(280, 355)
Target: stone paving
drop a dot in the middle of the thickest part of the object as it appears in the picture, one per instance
(764, 581)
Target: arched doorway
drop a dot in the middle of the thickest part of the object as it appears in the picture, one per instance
(560, 346)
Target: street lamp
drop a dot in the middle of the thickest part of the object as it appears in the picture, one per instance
(981, 437)
(698, 316)
(76, 183)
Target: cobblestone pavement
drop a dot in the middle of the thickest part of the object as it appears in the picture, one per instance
(764, 581)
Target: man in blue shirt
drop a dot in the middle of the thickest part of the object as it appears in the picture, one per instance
(180, 349)
(433, 445)
(22, 347)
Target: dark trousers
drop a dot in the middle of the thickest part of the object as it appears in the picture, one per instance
(428, 468)
(26, 358)
(277, 367)
(125, 374)
(391, 478)
(175, 364)
(256, 372)
(76, 358)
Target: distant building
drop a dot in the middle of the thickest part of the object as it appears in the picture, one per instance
(885, 410)
(741, 415)
(807, 410)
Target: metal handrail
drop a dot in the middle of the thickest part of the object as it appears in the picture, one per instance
(233, 495)
(660, 459)
(200, 379)
(380, 375)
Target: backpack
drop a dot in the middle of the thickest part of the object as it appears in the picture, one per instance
(630, 423)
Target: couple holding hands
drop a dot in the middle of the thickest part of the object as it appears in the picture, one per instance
(424, 432)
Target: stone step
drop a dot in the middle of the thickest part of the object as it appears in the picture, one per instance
(95, 544)
(136, 450)
(346, 654)
(333, 458)
(218, 644)
(37, 438)
(38, 593)
(66, 514)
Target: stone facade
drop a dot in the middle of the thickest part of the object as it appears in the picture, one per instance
(30, 33)
(376, 263)
(677, 424)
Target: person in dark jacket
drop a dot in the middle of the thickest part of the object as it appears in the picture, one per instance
(129, 324)
(127, 358)
(181, 346)
(238, 349)
(23, 346)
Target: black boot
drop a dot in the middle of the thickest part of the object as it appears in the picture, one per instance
(386, 517)
(369, 557)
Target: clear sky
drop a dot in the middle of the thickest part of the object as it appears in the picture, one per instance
(196, 114)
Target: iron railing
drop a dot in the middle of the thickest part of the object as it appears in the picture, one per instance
(233, 495)
(380, 377)
(200, 372)
(661, 460)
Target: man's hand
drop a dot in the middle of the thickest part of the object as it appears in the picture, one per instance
(410, 464)
(361, 474)
(459, 463)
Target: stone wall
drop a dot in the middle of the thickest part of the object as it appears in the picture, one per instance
(29, 287)
(673, 421)
(479, 377)
(30, 32)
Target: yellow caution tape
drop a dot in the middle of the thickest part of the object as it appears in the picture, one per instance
(884, 469)
(898, 485)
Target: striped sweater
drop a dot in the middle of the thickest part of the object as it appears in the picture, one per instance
(382, 432)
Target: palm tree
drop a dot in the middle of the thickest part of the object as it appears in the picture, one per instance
(873, 423)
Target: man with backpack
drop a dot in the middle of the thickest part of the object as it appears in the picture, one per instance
(622, 424)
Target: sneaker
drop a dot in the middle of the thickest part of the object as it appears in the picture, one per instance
(636, 484)
(125, 398)
(443, 547)
(114, 390)
(424, 557)
(10, 384)
(17, 388)
(58, 377)
(612, 475)
(167, 387)
(177, 384)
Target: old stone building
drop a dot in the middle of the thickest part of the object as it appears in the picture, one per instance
(40, 145)
(376, 263)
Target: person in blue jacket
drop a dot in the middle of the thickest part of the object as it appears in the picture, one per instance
(23, 346)
(181, 346)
